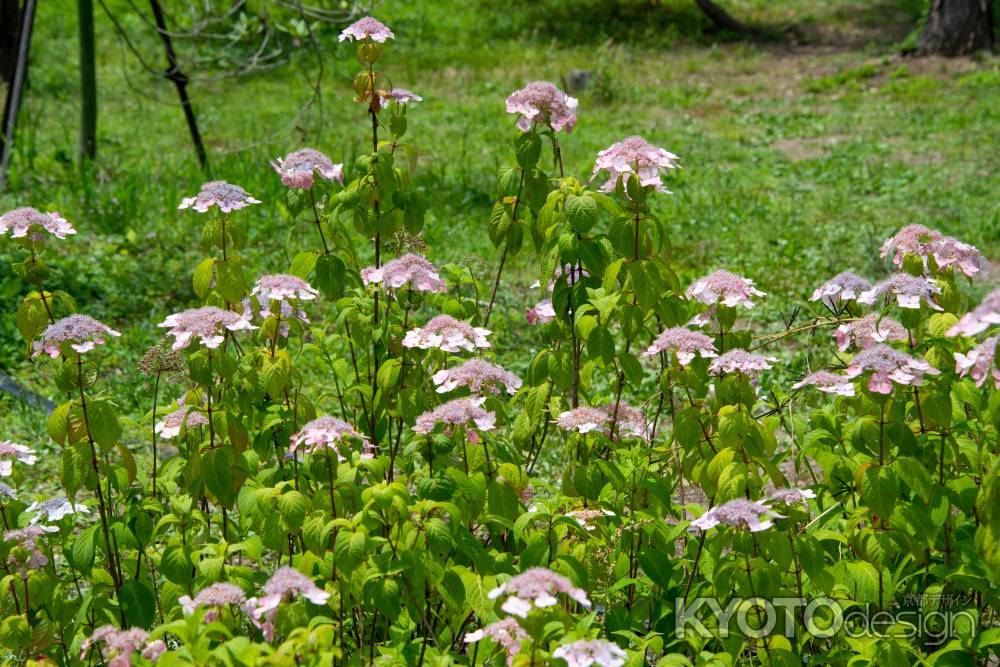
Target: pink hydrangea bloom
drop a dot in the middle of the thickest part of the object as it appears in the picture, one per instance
(541, 313)
(951, 253)
(182, 418)
(922, 242)
(413, 269)
(298, 168)
(446, 333)
(980, 318)
(867, 331)
(909, 240)
(630, 422)
(119, 645)
(845, 286)
(207, 323)
(154, 649)
(684, 343)
(30, 222)
(583, 420)
(827, 382)
(27, 538)
(886, 366)
(282, 286)
(908, 290)
(536, 588)
(726, 288)
(284, 584)
(740, 361)
(54, 509)
(704, 318)
(331, 433)
(587, 652)
(587, 517)
(740, 513)
(399, 96)
(634, 156)
(979, 362)
(217, 595)
(459, 412)
(226, 196)
(10, 452)
(790, 496)
(506, 633)
(81, 332)
(542, 102)
(367, 28)
(479, 376)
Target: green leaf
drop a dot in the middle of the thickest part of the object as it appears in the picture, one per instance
(84, 548)
(202, 279)
(218, 475)
(293, 507)
(879, 489)
(331, 274)
(138, 604)
(385, 595)
(15, 632)
(57, 424)
(527, 148)
(229, 280)
(304, 263)
(581, 211)
(105, 429)
(175, 564)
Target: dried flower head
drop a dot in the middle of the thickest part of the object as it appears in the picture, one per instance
(459, 412)
(161, 359)
(908, 290)
(536, 588)
(726, 288)
(446, 333)
(684, 343)
(54, 509)
(329, 433)
(179, 420)
(367, 28)
(10, 452)
(979, 363)
(506, 633)
(587, 652)
(226, 196)
(479, 376)
(297, 169)
(845, 286)
(207, 323)
(740, 513)
(30, 223)
(119, 645)
(215, 596)
(980, 318)
(827, 382)
(867, 331)
(740, 361)
(886, 366)
(542, 102)
(81, 332)
(791, 496)
(634, 156)
(541, 313)
(413, 269)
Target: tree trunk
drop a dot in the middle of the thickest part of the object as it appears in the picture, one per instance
(10, 20)
(88, 80)
(957, 28)
(722, 19)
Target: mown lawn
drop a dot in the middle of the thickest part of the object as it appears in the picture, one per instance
(799, 155)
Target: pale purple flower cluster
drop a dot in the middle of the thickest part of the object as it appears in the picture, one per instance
(583, 420)
(399, 96)
(740, 513)
(980, 318)
(792, 495)
(180, 419)
(479, 376)
(587, 652)
(284, 584)
(297, 169)
(207, 323)
(909, 240)
(367, 28)
(949, 252)
(845, 286)
(886, 366)
(740, 361)
(331, 433)
(226, 196)
(587, 517)
(30, 222)
(827, 382)
(867, 331)
(536, 588)
(542, 102)
(630, 422)
(684, 343)
(446, 333)
(506, 633)
(922, 242)
(541, 313)
(54, 509)
(413, 269)
(217, 595)
(634, 156)
(726, 288)
(908, 290)
(81, 332)
(459, 412)
(10, 452)
(119, 645)
(979, 362)
(27, 539)
(281, 287)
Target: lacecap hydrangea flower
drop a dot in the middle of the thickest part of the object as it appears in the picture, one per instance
(740, 361)
(827, 382)
(282, 287)
(81, 333)
(587, 652)
(459, 412)
(179, 420)
(908, 290)
(27, 539)
(54, 509)
(980, 362)
(30, 223)
(506, 633)
(536, 588)
(226, 196)
(367, 28)
(209, 324)
(792, 495)
(119, 645)
(726, 288)
(844, 286)
(541, 313)
(399, 96)
(684, 343)
(330, 433)
(869, 330)
(541, 102)
(413, 270)
(10, 452)
(285, 584)
(479, 376)
(446, 333)
(298, 168)
(980, 318)
(217, 595)
(637, 156)
(752, 515)
(922, 242)
(886, 365)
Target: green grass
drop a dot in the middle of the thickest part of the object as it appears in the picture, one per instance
(798, 160)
